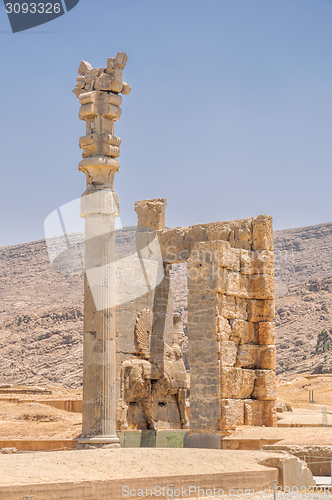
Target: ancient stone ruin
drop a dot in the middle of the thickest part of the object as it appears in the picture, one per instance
(134, 374)
(98, 92)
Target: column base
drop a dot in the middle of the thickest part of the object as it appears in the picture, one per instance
(204, 440)
(104, 442)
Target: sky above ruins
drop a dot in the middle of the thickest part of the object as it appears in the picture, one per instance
(229, 115)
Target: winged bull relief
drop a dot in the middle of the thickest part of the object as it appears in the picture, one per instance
(147, 382)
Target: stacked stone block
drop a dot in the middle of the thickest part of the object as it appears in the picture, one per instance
(231, 335)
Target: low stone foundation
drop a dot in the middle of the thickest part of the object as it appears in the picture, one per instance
(317, 458)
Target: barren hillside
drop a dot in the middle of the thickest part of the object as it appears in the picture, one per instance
(41, 309)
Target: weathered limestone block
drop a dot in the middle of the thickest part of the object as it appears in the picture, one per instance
(228, 257)
(126, 88)
(204, 269)
(262, 286)
(232, 413)
(246, 261)
(255, 356)
(228, 352)
(194, 234)
(262, 233)
(266, 359)
(218, 231)
(263, 262)
(253, 412)
(241, 308)
(265, 385)
(232, 307)
(108, 83)
(94, 72)
(117, 63)
(237, 285)
(105, 144)
(213, 251)
(260, 413)
(265, 332)
(238, 234)
(171, 244)
(283, 406)
(112, 78)
(257, 262)
(247, 356)
(237, 383)
(226, 306)
(208, 275)
(202, 311)
(205, 276)
(260, 310)
(151, 213)
(270, 418)
(243, 235)
(84, 67)
(243, 332)
(223, 329)
(222, 278)
(101, 79)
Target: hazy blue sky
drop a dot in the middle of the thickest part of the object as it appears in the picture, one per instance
(229, 115)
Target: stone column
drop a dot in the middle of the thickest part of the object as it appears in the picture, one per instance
(151, 213)
(231, 341)
(98, 91)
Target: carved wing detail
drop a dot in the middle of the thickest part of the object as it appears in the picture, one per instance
(143, 329)
(178, 332)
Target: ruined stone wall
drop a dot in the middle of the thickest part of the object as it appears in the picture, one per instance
(231, 337)
(150, 371)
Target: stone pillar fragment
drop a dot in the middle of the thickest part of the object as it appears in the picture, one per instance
(151, 213)
(231, 336)
(98, 92)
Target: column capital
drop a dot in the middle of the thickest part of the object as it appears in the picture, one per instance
(98, 91)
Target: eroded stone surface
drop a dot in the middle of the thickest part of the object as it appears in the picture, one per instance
(230, 312)
(265, 385)
(230, 300)
(97, 90)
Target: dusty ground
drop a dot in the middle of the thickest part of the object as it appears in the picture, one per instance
(35, 420)
(295, 390)
(20, 419)
(123, 463)
(302, 417)
(287, 435)
(24, 416)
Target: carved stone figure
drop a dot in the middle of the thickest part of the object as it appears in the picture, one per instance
(145, 380)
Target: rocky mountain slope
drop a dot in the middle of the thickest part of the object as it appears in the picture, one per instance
(301, 255)
(41, 308)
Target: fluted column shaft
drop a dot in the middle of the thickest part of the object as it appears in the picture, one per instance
(99, 343)
(98, 92)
